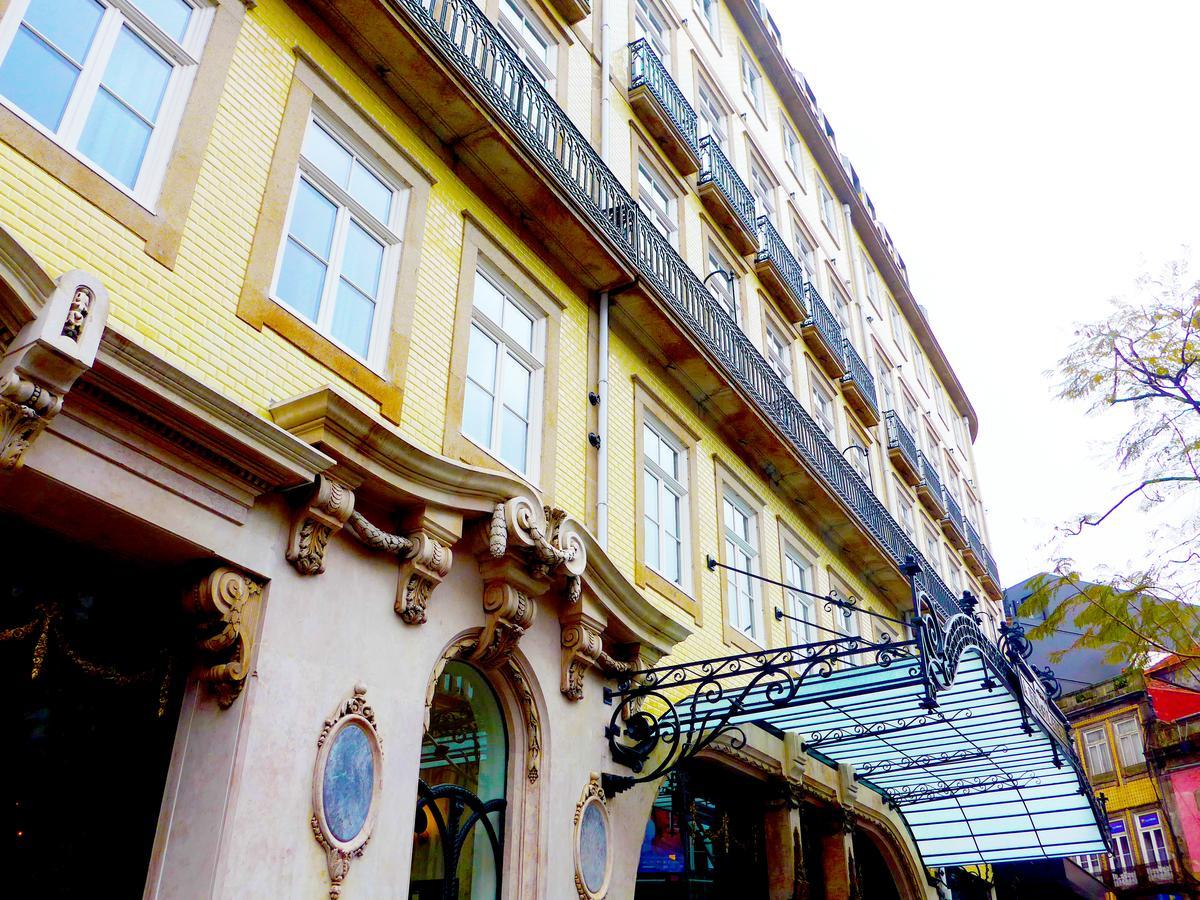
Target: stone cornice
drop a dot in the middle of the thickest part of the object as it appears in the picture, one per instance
(26, 286)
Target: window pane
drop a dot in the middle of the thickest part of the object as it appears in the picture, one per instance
(69, 25)
(519, 324)
(137, 74)
(373, 194)
(516, 387)
(353, 315)
(313, 218)
(171, 16)
(362, 260)
(481, 359)
(114, 138)
(488, 299)
(670, 563)
(514, 433)
(477, 415)
(670, 459)
(37, 79)
(671, 514)
(326, 154)
(301, 280)
(652, 490)
(650, 443)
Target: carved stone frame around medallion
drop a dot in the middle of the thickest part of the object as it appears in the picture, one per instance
(353, 711)
(593, 795)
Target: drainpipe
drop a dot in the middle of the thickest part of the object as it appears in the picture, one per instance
(602, 429)
(602, 386)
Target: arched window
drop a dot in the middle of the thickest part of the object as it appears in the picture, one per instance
(459, 830)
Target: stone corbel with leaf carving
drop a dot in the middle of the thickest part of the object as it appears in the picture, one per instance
(425, 559)
(226, 605)
(45, 360)
(528, 550)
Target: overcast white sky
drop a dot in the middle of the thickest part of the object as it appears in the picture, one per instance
(1029, 160)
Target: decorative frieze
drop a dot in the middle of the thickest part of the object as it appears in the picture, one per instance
(328, 509)
(226, 605)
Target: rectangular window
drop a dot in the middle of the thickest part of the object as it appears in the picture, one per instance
(709, 11)
(741, 552)
(904, 508)
(1128, 733)
(763, 190)
(1150, 835)
(724, 289)
(939, 400)
(505, 364)
(897, 324)
(823, 411)
(651, 24)
(337, 265)
(829, 210)
(779, 355)
(797, 573)
(657, 201)
(793, 151)
(806, 253)
(860, 459)
(883, 379)
(106, 80)
(908, 413)
(710, 116)
(752, 81)
(530, 39)
(1096, 751)
(918, 360)
(933, 549)
(871, 277)
(1122, 855)
(666, 503)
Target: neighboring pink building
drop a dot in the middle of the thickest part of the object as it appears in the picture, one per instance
(1174, 691)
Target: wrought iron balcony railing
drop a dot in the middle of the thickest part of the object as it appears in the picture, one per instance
(989, 565)
(788, 273)
(826, 323)
(899, 437)
(857, 372)
(460, 32)
(929, 476)
(716, 169)
(954, 513)
(646, 69)
(974, 544)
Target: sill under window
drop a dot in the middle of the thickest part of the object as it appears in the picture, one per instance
(648, 577)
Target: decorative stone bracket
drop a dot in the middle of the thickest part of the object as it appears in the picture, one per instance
(424, 559)
(45, 359)
(582, 638)
(226, 605)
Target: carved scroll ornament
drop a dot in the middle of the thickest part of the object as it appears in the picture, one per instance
(331, 505)
(25, 409)
(226, 604)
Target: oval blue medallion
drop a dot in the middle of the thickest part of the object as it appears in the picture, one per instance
(593, 847)
(348, 783)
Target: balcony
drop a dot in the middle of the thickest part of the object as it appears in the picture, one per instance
(953, 524)
(663, 109)
(929, 488)
(450, 64)
(779, 271)
(991, 576)
(1149, 880)
(823, 333)
(902, 448)
(973, 551)
(727, 197)
(572, 11)
(859, 385)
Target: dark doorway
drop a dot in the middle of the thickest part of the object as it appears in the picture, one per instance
(704, 839)
(878, 880)
(91, 674)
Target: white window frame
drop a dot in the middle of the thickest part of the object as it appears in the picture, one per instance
(1123, 860)
(1127, 732)
(905, 513)
(546, 70)
(1095, 741)
(724, 290)
(184, 57)
(762, 188)
(651, 23)
(793, 151)
(871, 277)
(675, 486)
(779, 354)
(534, 362)
(711, 114)
(752, 82)
(897, 322)
(709, 12)
(806, 251)
(798, 573)
(744, 604)
(828, 209)
(1152, 841)
(665, 218)
(825, 412)
(887, 391)
(348, 208)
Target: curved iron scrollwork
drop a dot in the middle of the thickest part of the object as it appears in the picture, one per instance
(454, 812)
(1013, 642)
(1049, 681)
(719, 691)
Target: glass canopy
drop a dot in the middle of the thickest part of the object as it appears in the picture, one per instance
(957, 733)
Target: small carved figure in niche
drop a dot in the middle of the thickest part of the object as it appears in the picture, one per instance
(81, 305)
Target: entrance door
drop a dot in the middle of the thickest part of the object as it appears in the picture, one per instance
(704, 839)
